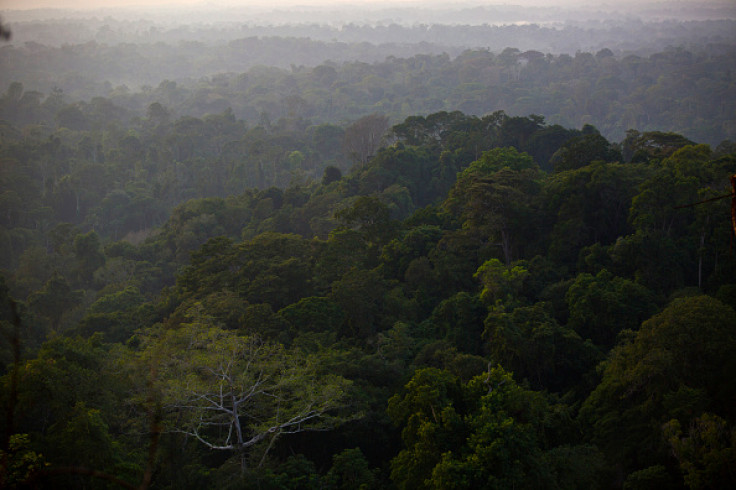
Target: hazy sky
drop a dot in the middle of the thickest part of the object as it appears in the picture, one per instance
(87, 4)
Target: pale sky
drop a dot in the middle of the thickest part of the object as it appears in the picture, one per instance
(96, 4)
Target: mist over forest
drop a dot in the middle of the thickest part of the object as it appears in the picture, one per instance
(218, 58)
(376, 246)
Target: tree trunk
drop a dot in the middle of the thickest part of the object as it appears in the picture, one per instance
(700, 260)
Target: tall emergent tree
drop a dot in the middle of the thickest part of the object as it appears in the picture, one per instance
(232, 392)
(495, 195)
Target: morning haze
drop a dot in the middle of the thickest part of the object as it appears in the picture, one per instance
(367, 245)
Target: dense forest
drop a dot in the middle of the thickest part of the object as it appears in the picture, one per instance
(650, 72)
(487, 269)
(689, 92)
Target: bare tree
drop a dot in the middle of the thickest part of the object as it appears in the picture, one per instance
(232, 392)
(364, 137)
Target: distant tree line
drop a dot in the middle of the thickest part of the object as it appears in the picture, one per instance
(688, 90)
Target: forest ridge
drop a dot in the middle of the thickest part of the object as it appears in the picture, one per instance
(484, 270)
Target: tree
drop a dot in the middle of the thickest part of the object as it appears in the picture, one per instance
(589, 205)
(664, 208)
(54, 299)
(459, 319)
(371, 217)
(678, 181)
(427, 417)
(651, 145)
(231, 392)
(157, 114)
(479, 434)
(679, 365)
(707, 453)
(89, 256)
(495, 196)
(652, 258)
(583, 150)
(602, 305)
(364, 137)
(315, 314)
(397, 255)
(62, 409)
(350, 471)
(529, 340)
(362, 295)
(343, 250)
(114, 314)
(434, 129)
(331, 174)
(327, 140)
(501, 283)
(515, 131)
(19, 462)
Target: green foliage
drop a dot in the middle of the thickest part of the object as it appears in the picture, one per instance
(497, 159)
(589, 205)
(332, 174)
(651, 259)
(88, 253)
(231, 392)
(65, 371)
(314, 314)
(459, 320)
(116, 315)
(443, 355)
(271, 268)
(649, 478)
(362, 294)
(290, 297)
(297, 472)
(574, 467)
(10, 327)
(529, 341)
(67, 417)
(651, 145)
(707, 454)
(54, 299)
(350, 471)
(83, 439)
(398, 255)
(584, 150)
(601, 306)
(495, 197)
(430, 424)
(501, 284)
(370, 217)
(676, 365)
(480, 434)
(344, 250)
(20, 463)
